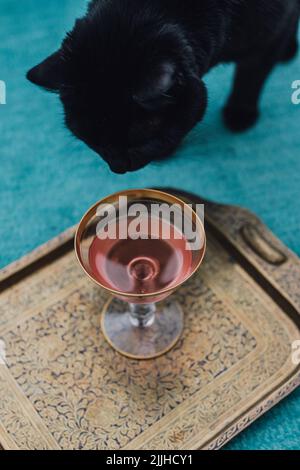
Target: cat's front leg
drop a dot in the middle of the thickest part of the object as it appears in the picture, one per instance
(242, 109)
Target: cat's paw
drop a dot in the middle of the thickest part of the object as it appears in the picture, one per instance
(240, 119)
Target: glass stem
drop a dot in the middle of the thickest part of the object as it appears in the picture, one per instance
(142, 315)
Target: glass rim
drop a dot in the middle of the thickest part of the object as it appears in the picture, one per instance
(136, 194)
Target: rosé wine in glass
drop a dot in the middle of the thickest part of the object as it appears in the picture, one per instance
(142, 266)
(141, 270)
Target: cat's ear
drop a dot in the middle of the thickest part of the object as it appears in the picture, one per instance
(156, 89)
(49, 74)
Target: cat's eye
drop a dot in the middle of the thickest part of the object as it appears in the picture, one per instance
(154, 121)
(102, 121)
(154, 104)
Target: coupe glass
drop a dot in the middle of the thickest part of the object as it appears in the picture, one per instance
(140, 320)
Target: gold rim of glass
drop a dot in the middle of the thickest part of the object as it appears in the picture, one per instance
(133, 194)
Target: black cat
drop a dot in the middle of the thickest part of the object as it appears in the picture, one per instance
(130, 73)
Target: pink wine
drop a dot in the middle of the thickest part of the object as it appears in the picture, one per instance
(142, 266)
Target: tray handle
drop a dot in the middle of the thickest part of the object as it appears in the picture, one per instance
(261, 246)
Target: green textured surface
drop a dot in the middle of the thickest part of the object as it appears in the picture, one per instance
(48, 179)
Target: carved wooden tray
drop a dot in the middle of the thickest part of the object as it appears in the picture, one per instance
(63, 387)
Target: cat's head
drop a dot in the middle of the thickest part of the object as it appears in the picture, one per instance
(130, 89)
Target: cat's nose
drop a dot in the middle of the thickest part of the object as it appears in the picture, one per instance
(120, 166)
(117, 160)
(118, 169)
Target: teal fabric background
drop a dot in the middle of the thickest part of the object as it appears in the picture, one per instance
(48, 179)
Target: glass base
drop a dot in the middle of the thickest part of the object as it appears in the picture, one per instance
(136, 341)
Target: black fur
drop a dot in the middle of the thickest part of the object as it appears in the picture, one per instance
(130, 73)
